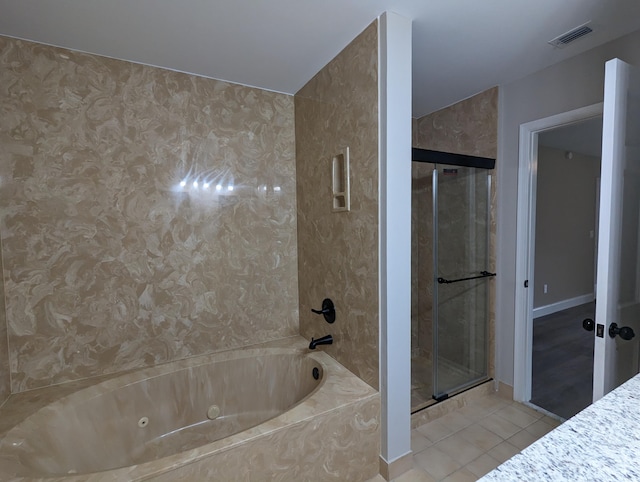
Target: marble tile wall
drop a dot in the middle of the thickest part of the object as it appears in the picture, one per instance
(421, 260)
(5, 374)
(110, 263)
(467, 127)
(338, 251)
(420, 270)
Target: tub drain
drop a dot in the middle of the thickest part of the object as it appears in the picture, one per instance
(143, 422)
(213, 412)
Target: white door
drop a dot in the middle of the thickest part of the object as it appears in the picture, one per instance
(617, 333)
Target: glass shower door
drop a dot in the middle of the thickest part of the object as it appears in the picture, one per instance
(461, 197)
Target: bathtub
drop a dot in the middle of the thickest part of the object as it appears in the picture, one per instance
(269, 413)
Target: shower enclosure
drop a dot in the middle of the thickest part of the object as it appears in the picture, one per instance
(450, 275)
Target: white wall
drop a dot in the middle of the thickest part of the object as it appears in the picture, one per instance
(571, 84)
(565, 219)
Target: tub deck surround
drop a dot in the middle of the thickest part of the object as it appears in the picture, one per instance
(326, 429)
(601, 443)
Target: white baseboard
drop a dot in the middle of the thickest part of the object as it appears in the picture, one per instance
(562, 305)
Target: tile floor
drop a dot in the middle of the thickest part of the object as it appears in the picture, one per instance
(471, 441)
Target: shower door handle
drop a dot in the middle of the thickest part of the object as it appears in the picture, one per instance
(483, 274)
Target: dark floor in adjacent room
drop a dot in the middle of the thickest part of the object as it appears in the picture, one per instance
(562, 375)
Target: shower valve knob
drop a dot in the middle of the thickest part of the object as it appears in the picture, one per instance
(328, 310)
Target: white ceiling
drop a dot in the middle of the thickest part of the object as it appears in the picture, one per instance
(460, 47)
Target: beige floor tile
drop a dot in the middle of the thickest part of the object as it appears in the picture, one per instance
(415, 475)
(522, 439)
(469, 442)
(475, 412)
(500, 426)
(455, 421)
(459, 449)
(419, 442)
(377, 478)
(552, 421)
(540, 428)
(482, 465)
(481, 437)
(436, 463)
(530, 410)
(514, 414)
(492, 403)
(462, 475)
(435, 430)
(503, 451)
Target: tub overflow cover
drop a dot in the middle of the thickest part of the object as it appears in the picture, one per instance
(213, 412)
(143, 422)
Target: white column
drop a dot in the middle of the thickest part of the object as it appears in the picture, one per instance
(395, 235)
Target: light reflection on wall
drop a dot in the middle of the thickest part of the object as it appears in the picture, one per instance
(186, 185)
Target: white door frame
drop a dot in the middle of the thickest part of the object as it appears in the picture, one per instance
(525, 239)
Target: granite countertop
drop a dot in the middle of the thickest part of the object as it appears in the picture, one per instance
(601, 443)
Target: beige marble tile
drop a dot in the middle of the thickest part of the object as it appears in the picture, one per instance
(462, 475)
(459, 448)
(475, 412)
(419, 442)
(503, 451)
(482, 396)
(500, 426)
(522, 439)
(435, 431)
(436, 463)
(482, 465)
(338, 251)
(551, 421)
(481, 437)
(5, 371)
(111, 264)
(519, 415)
(377, 478)
(415, 476)
(469, 126)
(455, 421)
(493, 403)
(422, 263)
(540, 428)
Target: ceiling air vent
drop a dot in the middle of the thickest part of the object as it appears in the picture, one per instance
(571, 35)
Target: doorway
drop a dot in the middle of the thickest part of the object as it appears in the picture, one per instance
(566, 198)
(616, 347)
(556, 257)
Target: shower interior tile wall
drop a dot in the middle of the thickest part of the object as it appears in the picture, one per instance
(5, 375)
(421, 261)
(467, 127)
(111, 264)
